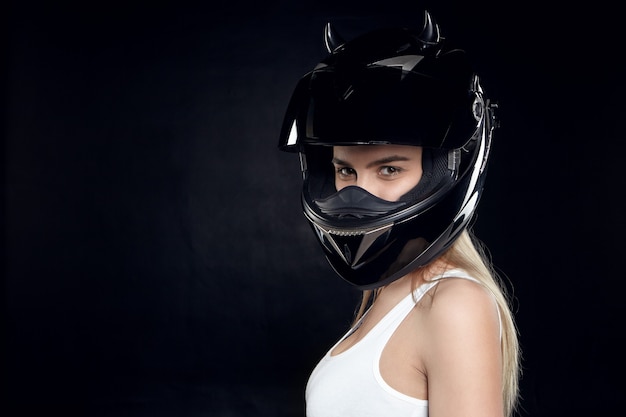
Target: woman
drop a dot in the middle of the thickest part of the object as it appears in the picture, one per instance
(394, 130)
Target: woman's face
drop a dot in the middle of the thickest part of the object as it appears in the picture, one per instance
(387, 171)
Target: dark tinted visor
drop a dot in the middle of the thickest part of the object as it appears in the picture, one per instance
(386, 105)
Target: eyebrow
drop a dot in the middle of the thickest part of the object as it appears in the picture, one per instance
(382, 161)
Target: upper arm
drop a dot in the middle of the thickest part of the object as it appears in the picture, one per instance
(462, 353)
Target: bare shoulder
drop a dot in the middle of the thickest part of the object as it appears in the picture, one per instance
(463, 311)
(461, 297)
(462, 352)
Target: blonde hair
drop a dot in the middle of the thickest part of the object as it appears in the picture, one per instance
(469, 254)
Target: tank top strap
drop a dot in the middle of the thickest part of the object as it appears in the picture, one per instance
(405, 305)
(454, 273)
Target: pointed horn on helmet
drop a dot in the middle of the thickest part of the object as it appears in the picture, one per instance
(430, 35)
(476, 87)
(331, 39)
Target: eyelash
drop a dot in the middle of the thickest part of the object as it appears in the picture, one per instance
(340, 171)
(394, 171)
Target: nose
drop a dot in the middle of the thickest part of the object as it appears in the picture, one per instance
(369, 184)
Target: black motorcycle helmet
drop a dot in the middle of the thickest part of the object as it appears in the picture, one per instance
(390, 86)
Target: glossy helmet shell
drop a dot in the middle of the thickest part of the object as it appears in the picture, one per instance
(391, 86)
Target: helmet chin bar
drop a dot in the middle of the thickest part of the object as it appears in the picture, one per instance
(372, 258)
(354, 244)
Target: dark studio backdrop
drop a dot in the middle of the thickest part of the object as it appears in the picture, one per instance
(155, 258)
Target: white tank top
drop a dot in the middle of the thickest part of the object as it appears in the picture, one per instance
(349, 384)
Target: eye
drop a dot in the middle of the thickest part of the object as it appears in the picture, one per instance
(388, 171)
(345, 172)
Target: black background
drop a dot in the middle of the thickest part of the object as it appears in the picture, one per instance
(156, 261)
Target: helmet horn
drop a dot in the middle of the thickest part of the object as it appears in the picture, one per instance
(430, 34)
(331, 39)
